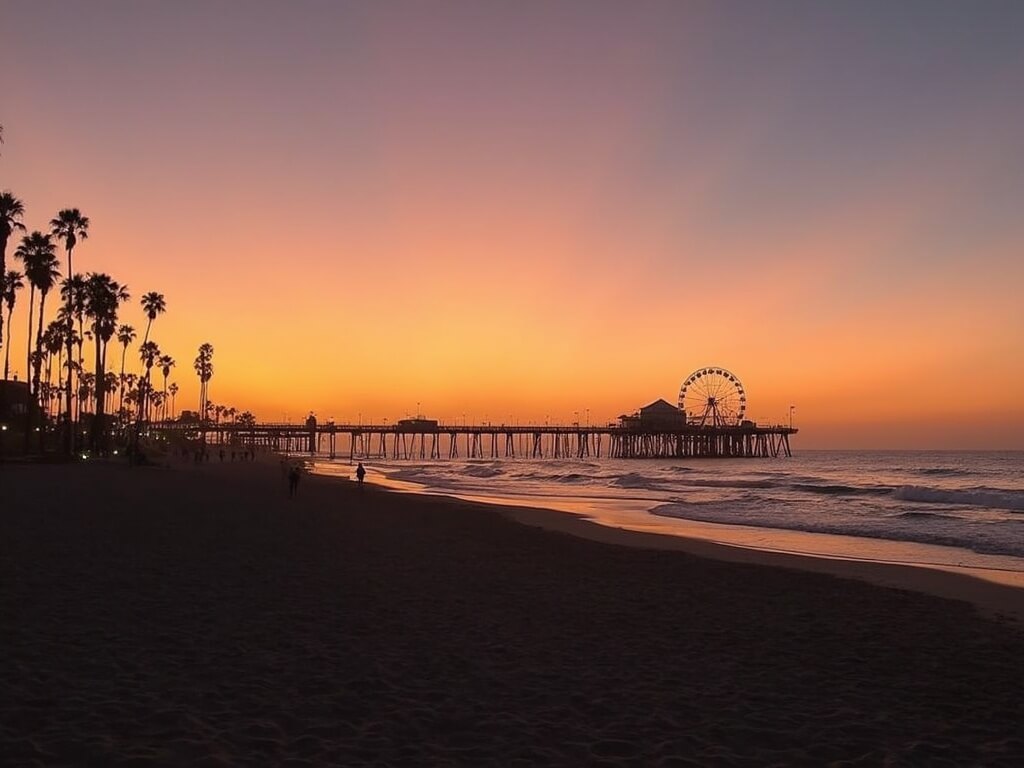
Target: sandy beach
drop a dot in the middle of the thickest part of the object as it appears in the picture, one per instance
(197, 616)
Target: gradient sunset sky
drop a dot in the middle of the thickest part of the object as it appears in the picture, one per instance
(524, 210)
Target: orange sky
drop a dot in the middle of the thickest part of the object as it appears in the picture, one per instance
(530, 212)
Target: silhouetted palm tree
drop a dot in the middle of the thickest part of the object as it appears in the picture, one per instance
(172, 390)
(70, 226)
(203, 365)
(158, 398)
(11, 211)
(166, 363)
(128, 387)
(76, 287)
(103, 295)
(12, 283)
(110, 386)
(125, 336)
(153, 304)
(149, 353)
(53, 343)
(42, 268)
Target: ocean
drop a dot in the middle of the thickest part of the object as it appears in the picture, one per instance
(949, 509)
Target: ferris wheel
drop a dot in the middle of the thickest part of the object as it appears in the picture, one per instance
(713, 397)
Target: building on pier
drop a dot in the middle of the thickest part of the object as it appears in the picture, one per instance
(659, 416)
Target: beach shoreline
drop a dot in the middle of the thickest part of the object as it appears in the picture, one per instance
(996, 593)
(186, 614)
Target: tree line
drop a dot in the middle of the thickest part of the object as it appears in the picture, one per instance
(66, 390)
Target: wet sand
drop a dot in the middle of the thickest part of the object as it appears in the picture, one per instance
(197, 616)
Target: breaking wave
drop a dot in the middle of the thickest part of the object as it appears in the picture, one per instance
(839, 490)
(976, 497)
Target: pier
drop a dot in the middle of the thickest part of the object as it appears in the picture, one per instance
(434, 441)
(708, 423)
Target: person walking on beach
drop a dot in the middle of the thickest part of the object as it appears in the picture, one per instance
(360, 474)
(293, 480)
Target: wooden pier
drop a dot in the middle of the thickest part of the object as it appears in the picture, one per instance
(400, 442)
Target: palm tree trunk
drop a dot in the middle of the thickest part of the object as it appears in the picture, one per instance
(3, 272)
(38, 362)
(97, 417)
(120, 401)
(7, 348)
(69, 431)
(28, 346)
(28, 365)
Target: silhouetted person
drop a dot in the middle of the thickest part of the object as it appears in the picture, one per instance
(293, 481)
(221, 453)
(360, 474)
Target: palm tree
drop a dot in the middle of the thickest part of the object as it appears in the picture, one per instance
(149, 353)
(103, 295)
(166, 363)
(76, 286)
(158, 401)
(153, 304)
(42, 268)
(11, 211)
(110, 386)
(125, 336)
(128, 387)
(53, 342)
(12, 283)
(86, 387)
(203, 365)
(172, 391)
(70, 226)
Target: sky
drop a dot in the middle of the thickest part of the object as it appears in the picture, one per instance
(518, 211)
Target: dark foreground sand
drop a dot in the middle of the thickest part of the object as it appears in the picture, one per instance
(197, 617)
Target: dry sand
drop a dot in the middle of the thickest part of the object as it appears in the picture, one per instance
(196, 616)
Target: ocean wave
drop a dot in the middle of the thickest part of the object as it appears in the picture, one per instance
(945, 530)
(482, 470)
(917, 514)
(942, 471)
(974, 497)
(732, 483)
(840, 490)
(636, 480)
(571, 478)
